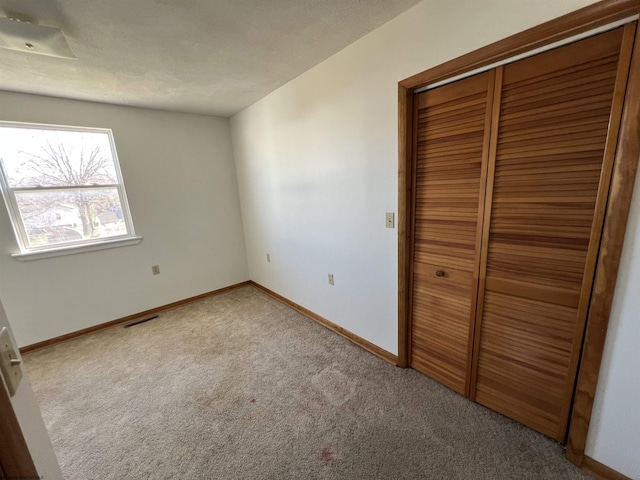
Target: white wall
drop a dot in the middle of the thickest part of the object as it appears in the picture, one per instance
(317, 169)
(180, 179)
(317, 160)
(28, 413)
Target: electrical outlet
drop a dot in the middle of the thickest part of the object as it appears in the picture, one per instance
(269, 257)
(390, 220)
(155, 269)
(331, 279)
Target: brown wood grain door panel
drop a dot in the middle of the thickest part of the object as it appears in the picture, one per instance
(547, 187)
(452, 124)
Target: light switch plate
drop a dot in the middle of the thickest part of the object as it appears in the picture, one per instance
(390, 220)
(12, 373)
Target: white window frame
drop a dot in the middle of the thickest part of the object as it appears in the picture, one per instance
(28, 252)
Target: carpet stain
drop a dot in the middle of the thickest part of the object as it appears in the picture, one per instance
(253, 400)
(327, 456)
(334, 385)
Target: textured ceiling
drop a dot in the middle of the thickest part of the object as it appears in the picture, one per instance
(203, 56)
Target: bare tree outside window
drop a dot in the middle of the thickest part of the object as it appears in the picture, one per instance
(63, 184)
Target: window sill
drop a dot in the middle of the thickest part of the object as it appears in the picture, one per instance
(71, 250)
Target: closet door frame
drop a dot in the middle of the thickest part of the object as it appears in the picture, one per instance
(616, 214)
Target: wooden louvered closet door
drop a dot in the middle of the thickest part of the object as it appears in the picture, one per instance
(511, 178)
(552, 154)
(451, 156)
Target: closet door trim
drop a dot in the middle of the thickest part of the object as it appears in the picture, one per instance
(484, 222)
(607, 264)
(619, 200)
(580, 21)
(615, 119)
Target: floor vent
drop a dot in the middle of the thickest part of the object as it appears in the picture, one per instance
(140, 321)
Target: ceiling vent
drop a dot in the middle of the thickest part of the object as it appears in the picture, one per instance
(18, 33)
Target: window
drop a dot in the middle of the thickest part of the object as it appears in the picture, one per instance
(63, 187)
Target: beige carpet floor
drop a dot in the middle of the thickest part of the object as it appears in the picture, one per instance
(240, 386)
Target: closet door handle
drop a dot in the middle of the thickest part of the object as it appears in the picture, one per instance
(440, 273)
